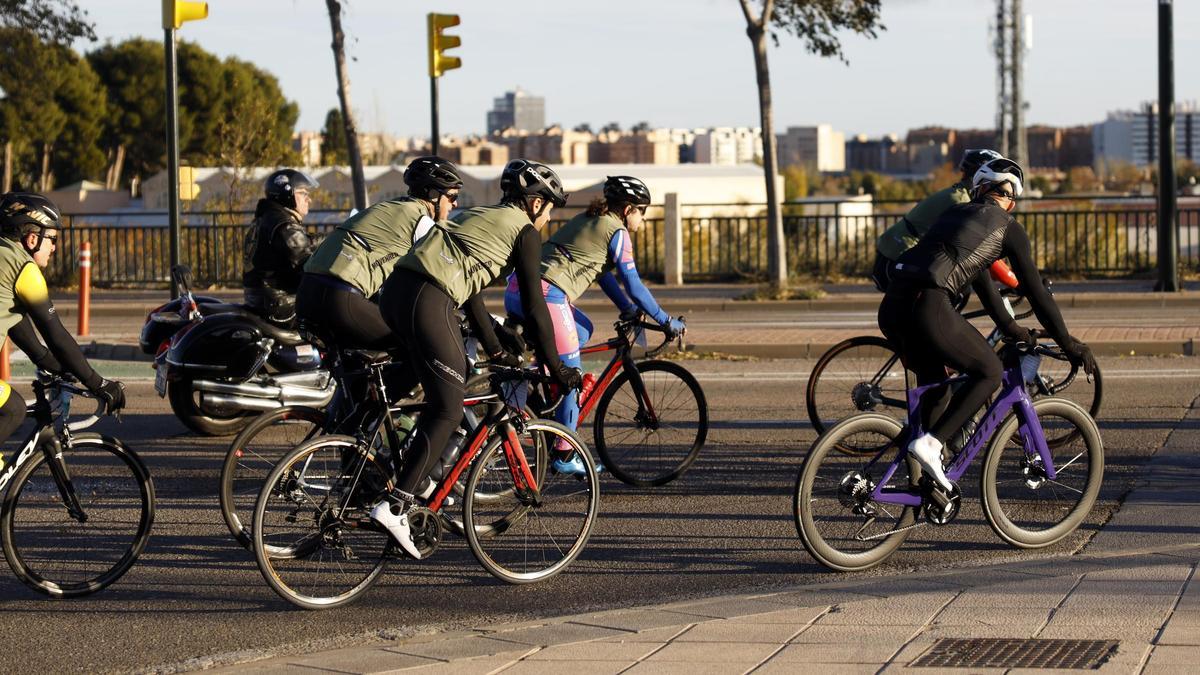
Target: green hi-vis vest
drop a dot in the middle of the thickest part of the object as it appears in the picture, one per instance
(578, 253)
(908, 230)
(470, 252)
(363, 250)
(13, 260)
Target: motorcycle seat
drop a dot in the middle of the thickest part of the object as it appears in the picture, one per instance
(283, 336)
(368, 356)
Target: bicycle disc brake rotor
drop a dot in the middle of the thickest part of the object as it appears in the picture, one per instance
(866, 396)
(854, 492)
(1033, 471)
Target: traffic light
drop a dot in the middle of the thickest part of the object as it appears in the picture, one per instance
(440, 42)
(188, 189)
(176, 12)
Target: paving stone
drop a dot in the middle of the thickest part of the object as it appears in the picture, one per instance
(1114, 587)
(595, 651)
(1186, 617)
(818, 652)
(582, 667)
(696, 652)
(1021, 620)
(918, 608)
(739, 631)
(652, 635)
(937, 631)
(361, 660)
(820, 598)
(905, 585)
(484, 665)
(1129, 636)
(794, 617)
(725, 609)
(774, 667)
(459, 648)
(638, 619)
(1171, 655)
(985, 598)
(1123, 616)
(1118, 602)
(837, 634)
(1162, 669)
(1165, 572)
(1180, 634)
(555, 634)
(275, 667)
(680, 668)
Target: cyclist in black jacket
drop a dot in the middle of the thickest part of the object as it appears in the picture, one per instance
(918, 316)
(277, 246)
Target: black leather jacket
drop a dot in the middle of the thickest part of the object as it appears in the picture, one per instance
(275, 249)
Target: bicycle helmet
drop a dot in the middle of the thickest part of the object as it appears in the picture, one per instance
(973, 159)
(523, 178)
(431, 173)
(626, 190)
(24, 212)
(281, 186)
(994, 173)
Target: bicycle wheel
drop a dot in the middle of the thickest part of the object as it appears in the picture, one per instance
(1023, 506)
(521, 538)
(252, 455)
(64, 555)
(313, 537)
(862, 374)
(651, 442)
(837, 521)
(1055, 379)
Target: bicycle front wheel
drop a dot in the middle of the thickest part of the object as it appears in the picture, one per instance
(1057, 378)
(1025, 507)
(522, 538)
(252, 456)
(64, 553)
(838, 522)
(313, 537)
(649, 435)
(862, 374)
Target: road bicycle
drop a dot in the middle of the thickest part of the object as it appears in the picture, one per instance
(651, 415)
(317, 547)
(865, 374)
(79, 507)
(853, 512)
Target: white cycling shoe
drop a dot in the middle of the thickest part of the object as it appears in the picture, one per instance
(928, 452)
(385, 513)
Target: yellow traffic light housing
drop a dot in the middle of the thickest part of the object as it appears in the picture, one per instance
(439, 42)
(176, 12)
(188, 189)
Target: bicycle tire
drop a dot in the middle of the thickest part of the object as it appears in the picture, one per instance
(1065, 387)
(821, 498)
(252, 456)
(306, 490)
(868, 358)
(637, 464)
(111, 483)
(521, 542)
(1050, 519)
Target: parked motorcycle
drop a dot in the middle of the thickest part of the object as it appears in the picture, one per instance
(223, 367)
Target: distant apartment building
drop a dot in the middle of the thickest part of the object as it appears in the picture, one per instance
(517, 110)
(551, 146)
(818, 148)
(881, 155)
(654, 146)
(1132, 135)
(473, 151)
(726, 146)
(308, 145)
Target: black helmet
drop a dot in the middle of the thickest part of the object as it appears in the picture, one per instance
(973, 159)
(523, 178)
(25, 212)
(281, 186)
(626, 190)
(431, 173)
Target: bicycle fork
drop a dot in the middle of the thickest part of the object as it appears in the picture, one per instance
(53, 449)
(525, 484)
(645, 414)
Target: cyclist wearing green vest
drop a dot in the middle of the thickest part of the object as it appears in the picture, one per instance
(593, 246)
(29, 231)
(348, 269)
(907, 231)
(445, 271)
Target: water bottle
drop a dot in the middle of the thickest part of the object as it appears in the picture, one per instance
(450, 454)
(589, 381)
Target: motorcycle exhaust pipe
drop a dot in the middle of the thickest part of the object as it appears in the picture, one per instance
(259, 397)
(210, 400)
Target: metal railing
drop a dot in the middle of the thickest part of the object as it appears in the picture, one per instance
(1070, 237)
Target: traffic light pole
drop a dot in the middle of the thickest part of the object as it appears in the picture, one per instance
(1168, 247)
(433, 109)
(172, 150)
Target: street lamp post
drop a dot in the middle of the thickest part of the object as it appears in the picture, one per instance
(1168, 247)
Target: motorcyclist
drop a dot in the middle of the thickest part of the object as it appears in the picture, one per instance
(276, 246)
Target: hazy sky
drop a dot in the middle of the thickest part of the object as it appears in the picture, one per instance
(687, 63)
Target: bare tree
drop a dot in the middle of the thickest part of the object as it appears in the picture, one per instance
(343, 78)
(814, 22)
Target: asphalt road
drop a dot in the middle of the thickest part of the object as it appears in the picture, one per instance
(195, 598)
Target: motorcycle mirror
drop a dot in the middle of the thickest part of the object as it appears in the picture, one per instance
(182, 275)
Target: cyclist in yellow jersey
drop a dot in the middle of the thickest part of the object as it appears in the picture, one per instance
(28, 234)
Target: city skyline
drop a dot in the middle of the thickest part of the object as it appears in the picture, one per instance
(573, 56)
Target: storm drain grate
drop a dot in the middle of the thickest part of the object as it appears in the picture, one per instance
(1014, 653)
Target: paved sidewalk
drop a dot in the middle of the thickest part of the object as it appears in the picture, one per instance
(1136, 586)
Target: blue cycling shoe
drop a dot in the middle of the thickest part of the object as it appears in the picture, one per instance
(572, 467)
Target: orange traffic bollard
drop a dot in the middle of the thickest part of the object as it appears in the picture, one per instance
(5, 370)
(85, 287)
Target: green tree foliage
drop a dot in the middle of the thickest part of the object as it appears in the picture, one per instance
(132, 74)
(333, 139)
(59, 21)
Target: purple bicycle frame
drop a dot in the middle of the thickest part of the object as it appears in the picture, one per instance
(1012, 397)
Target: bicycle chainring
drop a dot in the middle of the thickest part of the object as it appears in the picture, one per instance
(938, 513)
(426, 530)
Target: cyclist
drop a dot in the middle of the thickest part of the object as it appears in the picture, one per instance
(445, 271)
(918, 317)
(29, 229)
(349, 267)
(905, 233)
(593, 246)
(276, 246)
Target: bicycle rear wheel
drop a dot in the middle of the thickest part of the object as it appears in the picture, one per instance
(652, 441)
(1023, 506)
(313, 537)
(520, 538)
(837, 521)
(68, 555)
(862, 374)
(252, 455)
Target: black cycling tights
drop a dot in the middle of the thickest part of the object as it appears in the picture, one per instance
(12, 411)
(931, 335)
(422, 316)
(348, 316)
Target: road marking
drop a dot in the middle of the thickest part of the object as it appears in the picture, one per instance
(1118, 374)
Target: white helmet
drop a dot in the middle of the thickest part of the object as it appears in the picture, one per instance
(997, 171)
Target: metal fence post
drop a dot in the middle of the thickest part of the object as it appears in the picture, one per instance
(672, 241)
